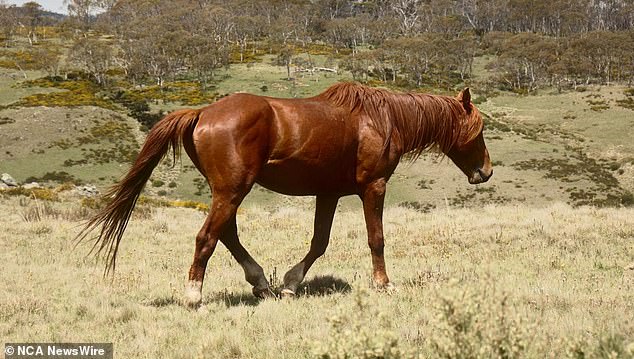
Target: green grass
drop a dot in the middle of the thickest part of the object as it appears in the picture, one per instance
(253, 77)
(93, 145)
(10, 89)
(505, 281)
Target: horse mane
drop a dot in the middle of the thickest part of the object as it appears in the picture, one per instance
(421, 121)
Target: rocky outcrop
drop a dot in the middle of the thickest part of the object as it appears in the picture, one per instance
(31, 185)
(6, 181)
(86, 190)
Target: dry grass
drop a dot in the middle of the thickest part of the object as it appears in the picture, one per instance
(499, 281)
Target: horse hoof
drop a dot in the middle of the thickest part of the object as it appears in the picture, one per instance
(389, 288)
(193, 294)
(193, 304)
(263, 293)
(287, 293)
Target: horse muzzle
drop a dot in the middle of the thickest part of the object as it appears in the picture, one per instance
(480, 176)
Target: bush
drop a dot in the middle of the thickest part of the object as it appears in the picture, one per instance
(353, 334)
(479, 325)
(6, 120)
(80, 92)
(55, 176)
(36, 193)
(479, 99)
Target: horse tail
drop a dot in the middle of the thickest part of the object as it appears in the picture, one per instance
(113, 219)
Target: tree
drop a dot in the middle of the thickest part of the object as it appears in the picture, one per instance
(407, 11)
(94, 56)
(8, 22)
(31, 18)
(525, 61)
(85, 10)
(285, 58)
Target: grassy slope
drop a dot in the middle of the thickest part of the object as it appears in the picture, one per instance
(43, 139)
(557, 132)
(10, 93)
(549, 282)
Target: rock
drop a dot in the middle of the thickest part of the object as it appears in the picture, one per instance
(8, 180)
(4, 185)
(87, 190)
(32, 185)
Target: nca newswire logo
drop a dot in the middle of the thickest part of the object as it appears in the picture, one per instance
(58, 350)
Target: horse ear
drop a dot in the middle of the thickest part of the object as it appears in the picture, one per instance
(465, 99)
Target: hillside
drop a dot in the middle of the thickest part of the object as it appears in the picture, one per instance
(572, 147)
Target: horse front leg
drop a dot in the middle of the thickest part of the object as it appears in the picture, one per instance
(373, 197)
(324, 214)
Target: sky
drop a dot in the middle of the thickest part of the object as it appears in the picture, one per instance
(50, 5)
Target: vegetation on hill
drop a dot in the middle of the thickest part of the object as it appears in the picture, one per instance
(406, 43)
(144, 58)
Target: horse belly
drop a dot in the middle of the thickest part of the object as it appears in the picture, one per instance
(299, 178)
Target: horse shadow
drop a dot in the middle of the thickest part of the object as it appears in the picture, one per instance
(318, 286)
(229, 299)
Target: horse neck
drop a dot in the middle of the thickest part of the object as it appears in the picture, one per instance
(424, 121)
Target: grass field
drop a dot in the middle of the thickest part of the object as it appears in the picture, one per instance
(501, 281)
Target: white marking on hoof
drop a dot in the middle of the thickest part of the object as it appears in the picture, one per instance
(203, 309)
(390, 288)
(193, 293)
(287, 293)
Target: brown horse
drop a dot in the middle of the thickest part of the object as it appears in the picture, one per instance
(347, 140)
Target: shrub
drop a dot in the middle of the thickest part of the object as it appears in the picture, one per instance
(479, 100)
(628, 103)
(479, 325)
(354, 334)
(6, 120)
(36, 193)
(55, 176)
(417, 206)
(80, 92)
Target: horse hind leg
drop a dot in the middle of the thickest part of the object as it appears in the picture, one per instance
(219, 225)
(324, 214)
(253, 272)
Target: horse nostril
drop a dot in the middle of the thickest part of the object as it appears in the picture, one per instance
(483, 175)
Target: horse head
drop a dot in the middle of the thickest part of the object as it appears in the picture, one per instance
(469, 152)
